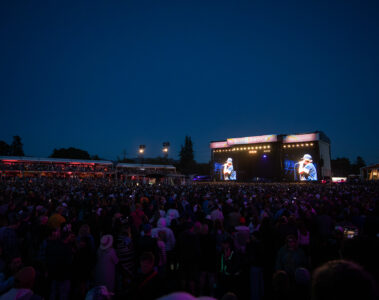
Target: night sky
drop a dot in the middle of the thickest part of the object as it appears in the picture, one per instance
(110, 75)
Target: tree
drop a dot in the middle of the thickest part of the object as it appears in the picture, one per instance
(70, 153)
(4, 148)
(341, 167)
(16, 147)
(187, 162)
(96, 157)
(359, 163)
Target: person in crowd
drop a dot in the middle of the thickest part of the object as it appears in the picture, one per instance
(290, 257)
(162, 260)
(189, 257)
(208, 262)
(149, 285)
(343, 280)
(255, 259)
(23, 284)
(59, 259)
(230, 267)
(138, 216)
(83, 264)
(146, 243)
(125, 251)
(170, 237)
(105, 271)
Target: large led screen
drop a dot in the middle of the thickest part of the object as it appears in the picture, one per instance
(300, 163)
(247, 164)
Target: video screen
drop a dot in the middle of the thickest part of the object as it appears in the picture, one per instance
(247, 165)
(300, 164)
(226, 171)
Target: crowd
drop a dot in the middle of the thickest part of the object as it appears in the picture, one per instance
(68, 238)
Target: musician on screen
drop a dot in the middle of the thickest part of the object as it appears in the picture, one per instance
(307, 170)
(229, 173)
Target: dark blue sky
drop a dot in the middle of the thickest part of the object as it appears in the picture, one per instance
(109, 75)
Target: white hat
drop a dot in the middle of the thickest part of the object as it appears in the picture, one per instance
(106, 241)
(229, 160)
(307, 157)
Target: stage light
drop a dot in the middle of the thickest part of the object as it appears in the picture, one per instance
(260, 147)
(264, 156)
(302, 145)
(284, 146)
(311, 144)
(269, 146)
(307, 144)
(297, 145)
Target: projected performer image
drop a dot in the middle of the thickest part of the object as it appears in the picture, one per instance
(306, 169)
(229, 173)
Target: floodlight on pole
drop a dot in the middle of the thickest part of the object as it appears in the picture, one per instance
(142, 149)
(166, 146)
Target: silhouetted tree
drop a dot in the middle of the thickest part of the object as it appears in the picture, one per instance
(4, 148)
(341, 166)
(70, 153)
(187, 162)
(96, 157)
(203, 168)
(16, 147)
(359, 163)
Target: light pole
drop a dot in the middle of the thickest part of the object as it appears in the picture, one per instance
(141, 152)
(166, 146)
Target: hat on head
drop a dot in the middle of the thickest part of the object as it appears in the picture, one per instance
(106, 241)
(307, 157)
(229, 160)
